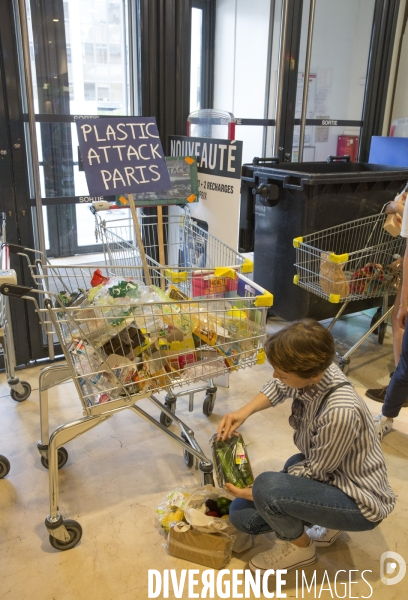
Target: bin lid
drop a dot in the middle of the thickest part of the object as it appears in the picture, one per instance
(311, 173)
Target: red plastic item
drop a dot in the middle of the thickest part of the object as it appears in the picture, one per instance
(348, 144)
(204, 284)
(98, 278)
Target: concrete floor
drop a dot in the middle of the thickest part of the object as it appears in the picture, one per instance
(118, 472)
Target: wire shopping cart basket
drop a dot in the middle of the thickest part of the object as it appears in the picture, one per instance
(353, 261)
(19, 390)
(124, 341)
(183, 242)
(178, 241)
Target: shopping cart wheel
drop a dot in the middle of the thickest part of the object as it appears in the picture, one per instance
(4, 466)
(62, 458)
(381, 332)
(188, 458)
(208, 404)
(164, 419)
(376, 317)
(21, 397)
(75, 533)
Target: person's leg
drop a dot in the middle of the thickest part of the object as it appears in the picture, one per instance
(397, 392)
(378, 394)
(286, 502)
(397, 331)
(243, 513)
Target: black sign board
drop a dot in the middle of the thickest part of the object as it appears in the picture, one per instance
(122, 155)
(222, 158)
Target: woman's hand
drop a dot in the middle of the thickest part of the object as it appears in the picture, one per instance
(395, 207)
(230, 424)
(245, 493)
(402, 316)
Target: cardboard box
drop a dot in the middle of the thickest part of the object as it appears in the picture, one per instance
(212, 550)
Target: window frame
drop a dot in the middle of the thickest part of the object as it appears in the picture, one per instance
(207, 50)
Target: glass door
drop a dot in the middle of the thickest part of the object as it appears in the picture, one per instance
(79, 53)
(335, 42)
(265, 48)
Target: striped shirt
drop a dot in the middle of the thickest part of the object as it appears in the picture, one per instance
(339, 443)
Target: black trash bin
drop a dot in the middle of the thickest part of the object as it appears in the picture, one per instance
(295, 199)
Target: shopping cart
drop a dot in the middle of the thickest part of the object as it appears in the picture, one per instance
(121, 351)
(19, 390)
(353, 261)
(184, 243)
(178, 241)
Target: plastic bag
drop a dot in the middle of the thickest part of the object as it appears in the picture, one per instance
(200, 522)
(205, 369)
(171, 508)
(231, 461)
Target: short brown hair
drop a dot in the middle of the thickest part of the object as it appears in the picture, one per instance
(304, 348)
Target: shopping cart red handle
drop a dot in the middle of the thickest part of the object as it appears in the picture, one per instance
(15, 291)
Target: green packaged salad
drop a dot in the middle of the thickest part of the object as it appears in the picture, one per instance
(231, 461)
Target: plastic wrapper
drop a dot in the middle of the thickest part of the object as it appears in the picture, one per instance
(130, 342)
(75, 298)
(172, 312)
(155, 368)
(243, 330)
(178, 349)
(97, 385)
(205, 369)
(194, 514)
(171, 508)
(174, 293)
(231, 461)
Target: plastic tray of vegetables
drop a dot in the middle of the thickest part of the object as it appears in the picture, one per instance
(231, 461)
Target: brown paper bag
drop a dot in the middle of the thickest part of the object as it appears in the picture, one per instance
(332, 279)
(212, 550)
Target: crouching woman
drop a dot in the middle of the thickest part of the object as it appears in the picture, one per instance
(338, 481)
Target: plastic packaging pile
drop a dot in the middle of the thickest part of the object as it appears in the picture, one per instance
(125, 337)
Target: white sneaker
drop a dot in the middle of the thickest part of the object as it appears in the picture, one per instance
(284, 555)
(322, 536)
(382, 425)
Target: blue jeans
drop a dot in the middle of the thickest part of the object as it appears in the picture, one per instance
(285, 503)
(397, 391)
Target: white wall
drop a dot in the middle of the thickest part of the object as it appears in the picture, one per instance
(241, 44)
(400, 108)
(241, 47)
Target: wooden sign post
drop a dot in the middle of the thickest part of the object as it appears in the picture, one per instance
(139, 240)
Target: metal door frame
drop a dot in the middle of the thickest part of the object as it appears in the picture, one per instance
(16, 186)
(385, 19)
